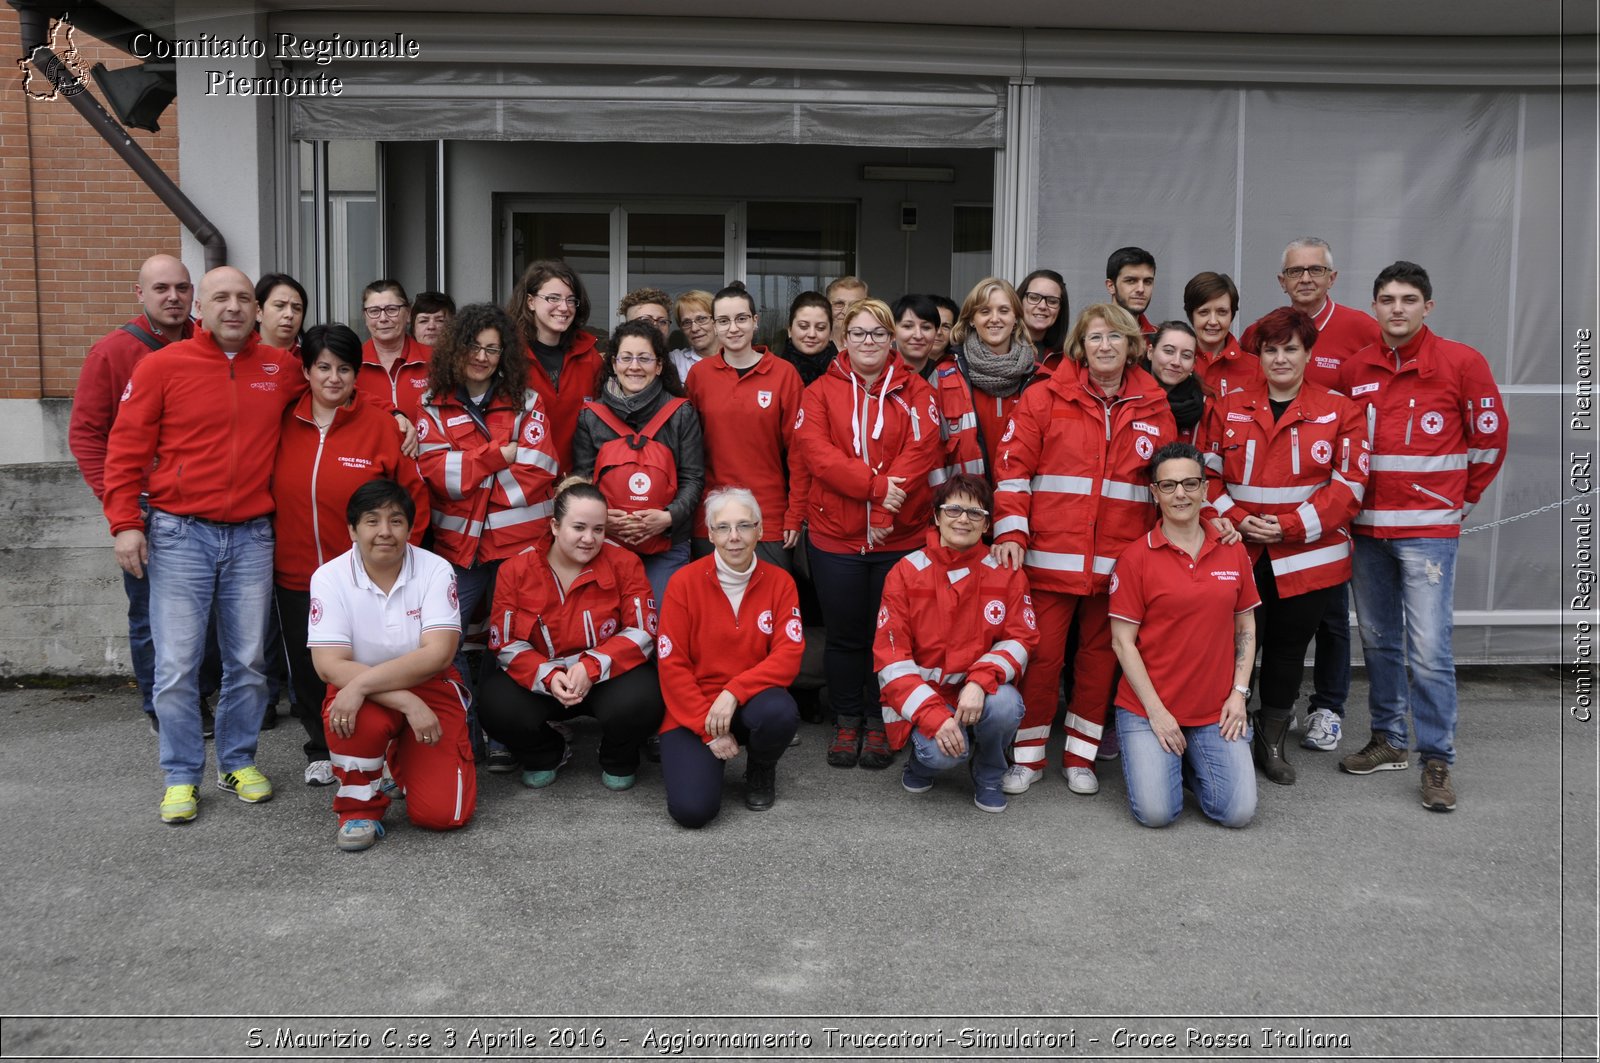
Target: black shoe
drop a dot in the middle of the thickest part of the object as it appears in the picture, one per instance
(846, 747)
(269, 719)
(503, 761)
(652, 749)
(1267, 747)
(155, 724)
(208, 721)
(760, 786)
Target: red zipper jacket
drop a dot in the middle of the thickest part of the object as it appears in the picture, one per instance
(1305, 469)
(704, 648)
(606, 619)
(1438, 431)
(971, 420)
(948, 618)
(748, 424)
(563, 401)
(211, 425)
(400, 388)
(1233, 368)
(852, 438)
(1341, 332)
(485, 508)
(315, 475)
(1072, 482)
(101, 382)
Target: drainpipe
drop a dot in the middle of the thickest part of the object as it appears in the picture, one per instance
(35, 27)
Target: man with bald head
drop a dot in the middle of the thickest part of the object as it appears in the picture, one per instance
(201, 417)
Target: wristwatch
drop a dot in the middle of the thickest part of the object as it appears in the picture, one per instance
(1244, 692)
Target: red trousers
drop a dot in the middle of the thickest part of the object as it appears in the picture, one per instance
(1094, 673)
(439, 780)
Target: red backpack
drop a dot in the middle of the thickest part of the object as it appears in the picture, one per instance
(636, 471)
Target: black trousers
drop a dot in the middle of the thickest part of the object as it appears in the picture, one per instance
(294, 611)
(1284, 628)
(628, 707)
(764, 725)
(850, 589)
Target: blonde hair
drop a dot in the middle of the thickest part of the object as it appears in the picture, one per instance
(1118, 320)
(979, 298)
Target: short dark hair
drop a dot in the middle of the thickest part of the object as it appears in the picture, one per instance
(432, 303)
(1406, 273)
(1204, 287)
(385, 284)
(644, 330)
(964, 483)
(812, 299)
(922, 306)
(1123, 257)
(338, 340)
(270, 281)
(1284, 323)
(944, 302)
(379, 494)
(1176, 451)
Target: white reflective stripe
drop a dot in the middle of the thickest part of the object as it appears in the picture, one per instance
(1478, 456)
(509, 651)
(1063, 485)
(514, 493)
(1407, 518)
(939, 476)
(968, 421)
(450, 522)
(1249, 460)
(1018, 486)
(1418, 462)
(1282, 566)
(367, 764)
(358, 793)
(1359, 490)
(917, 698)
(1212, 461)
(1031, 754)
(456, 816)
(639, 638)
(1033, 734)
(956, 575)
(1222, 504)
(1104, 565)
(1011, 524)
(604, 661)
(954, 679)
(1078, 747)
(897, 670)
(528, 456)
(888, 714)
(1084, 727)
(977, 466)
(1313, 523)
(1054, 562)
(429, 448)
(452, 475)
(1018, 652)
(506, 518)
(1124, 490)
(1271, 495)
(919, 560)
(1007, 669)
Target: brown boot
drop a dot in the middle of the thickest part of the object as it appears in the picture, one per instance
(1267, 746)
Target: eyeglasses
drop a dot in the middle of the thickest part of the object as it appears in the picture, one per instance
(744, 528)
(861, 335)
(1039, 298)
(742, 320)
(491, 351)
(698, 321)
(554, 301)
(644, 361)
(1294, 273)
(1190, 485)
(1104, 337)
(658, 322)
(973, 513)
(392, 310)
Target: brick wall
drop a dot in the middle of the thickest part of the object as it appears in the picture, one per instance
(75, 224)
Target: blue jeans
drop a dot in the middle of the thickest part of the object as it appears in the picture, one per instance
(1219, 771)
(196, 567)
(987, 742)
(1330, 667)
(142, 648)
(1405, 599)
(658, 568)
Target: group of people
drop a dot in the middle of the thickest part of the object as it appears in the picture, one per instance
(990, 508)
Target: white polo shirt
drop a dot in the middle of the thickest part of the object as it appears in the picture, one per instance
(348, 609)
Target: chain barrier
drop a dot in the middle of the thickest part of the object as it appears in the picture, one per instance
(1531, 513)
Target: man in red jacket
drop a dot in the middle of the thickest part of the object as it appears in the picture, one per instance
(206, 411)
(1438, 431)
(1131, 282)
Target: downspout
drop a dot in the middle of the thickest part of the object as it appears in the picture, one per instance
(35, 26)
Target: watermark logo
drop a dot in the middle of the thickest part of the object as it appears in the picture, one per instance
(34, 83)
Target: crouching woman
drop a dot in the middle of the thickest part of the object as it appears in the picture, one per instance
(383, 627)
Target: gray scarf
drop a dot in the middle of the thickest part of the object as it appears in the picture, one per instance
(629, 407)
(998, 374)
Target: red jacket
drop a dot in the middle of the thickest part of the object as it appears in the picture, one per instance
(1305, 469)
(211, 425)
(748, 423)
(1232, 368)
(1072, 482)
(563, 401)
(1341, 332)
(606, 619)
(852, 439)
(101, 382)
(316, 474)
(948, 618)
(401, 387)
(1438, 431)
(971, 421)
(485, 508)
(704, 649)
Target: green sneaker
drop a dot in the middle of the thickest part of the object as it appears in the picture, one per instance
(617, 782)
(247, 784)
(179, 804)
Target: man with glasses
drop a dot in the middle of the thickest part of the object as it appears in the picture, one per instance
(394, 364)
(841, 293)
(649, 304)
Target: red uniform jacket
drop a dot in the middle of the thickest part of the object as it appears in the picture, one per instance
(971, 421)
(484, 507)
(748, 423)
(1072, 482)
(1438, 431)
(1233, 368)
(1305, 469)
(211, 425)
(316, 474)
(105, 375)
(1341, 332)
(606, 619)
(399, 388)
(948, 618)
(563, 401)
(852, 438)
(704, 648)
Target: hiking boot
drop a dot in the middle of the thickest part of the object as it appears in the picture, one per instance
(1323, 730)
(1376, 755)
(358, 834)
(846, 748)
(180, 804)
(1437, 793)
(247, 784)
(760, 786)
(875, 751)
(1267, 749)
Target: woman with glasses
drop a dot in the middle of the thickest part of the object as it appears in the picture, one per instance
(731, 640)
(1289, 467)
(693, 309)
(868, 435)
(550, 308)
(954, 634)
(1171, 361)
(1045, 311)
(394, 366)
(1072, 490)
(994, 361)
(1184, 631)
(748, 399)
(809, 347)
(1211, 301)
(640, 443)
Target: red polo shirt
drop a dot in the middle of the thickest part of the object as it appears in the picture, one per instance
(1184, 607)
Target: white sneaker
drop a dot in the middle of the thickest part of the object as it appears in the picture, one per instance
(1323, 731)
(1081, 780)
(1018, 778)
(320, 773)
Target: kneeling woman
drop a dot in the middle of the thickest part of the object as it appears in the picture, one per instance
(954, 634)
(1176, 595)
(572, 627)
(383, 635)
(731, 641)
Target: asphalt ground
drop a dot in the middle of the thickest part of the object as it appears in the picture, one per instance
(1344, 907)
